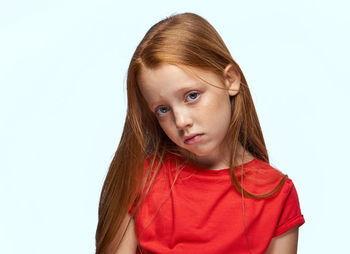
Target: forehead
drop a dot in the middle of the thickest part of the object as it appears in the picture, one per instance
(163, 76)
(168, 80)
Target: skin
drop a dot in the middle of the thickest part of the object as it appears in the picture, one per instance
(184, 105)
(286, 243)
(128, 244)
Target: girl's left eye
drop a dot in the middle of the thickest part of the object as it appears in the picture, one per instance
(192, 96)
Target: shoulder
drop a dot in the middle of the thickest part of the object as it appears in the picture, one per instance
(156, 166)
(169, 160)
(284, 203)
(283, 206)
(259, 177)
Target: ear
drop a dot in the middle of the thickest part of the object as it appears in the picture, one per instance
(232, 79)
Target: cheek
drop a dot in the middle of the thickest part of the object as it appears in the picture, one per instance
(219, 111)
(227, 112)
(168, 129)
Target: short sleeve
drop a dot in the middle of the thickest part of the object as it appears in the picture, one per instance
(290, 215)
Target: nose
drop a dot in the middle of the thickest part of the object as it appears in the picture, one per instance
(182, 119)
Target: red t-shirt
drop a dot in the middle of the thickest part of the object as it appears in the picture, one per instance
(203, 212)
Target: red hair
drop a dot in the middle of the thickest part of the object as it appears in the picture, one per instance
(185, 40)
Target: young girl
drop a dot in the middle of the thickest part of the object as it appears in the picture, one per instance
(191, 173)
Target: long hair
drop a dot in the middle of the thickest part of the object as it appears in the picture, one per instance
(184, 40)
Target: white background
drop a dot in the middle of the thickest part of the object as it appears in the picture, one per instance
(63, 69)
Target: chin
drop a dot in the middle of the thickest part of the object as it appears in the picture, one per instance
(199, 151)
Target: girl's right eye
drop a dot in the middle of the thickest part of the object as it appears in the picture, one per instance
(161, 110)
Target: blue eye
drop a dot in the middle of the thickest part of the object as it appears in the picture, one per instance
(192, 96)
(161, 110)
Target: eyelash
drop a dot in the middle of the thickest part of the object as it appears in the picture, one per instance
(193, 93)
(162, 107)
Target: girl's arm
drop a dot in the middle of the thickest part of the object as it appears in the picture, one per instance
(286, 243)
(129, 242)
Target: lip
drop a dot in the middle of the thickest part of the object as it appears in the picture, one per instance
(193, 138)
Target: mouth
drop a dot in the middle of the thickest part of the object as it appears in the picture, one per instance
(192, 139)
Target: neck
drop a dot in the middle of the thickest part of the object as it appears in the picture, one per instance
(219, 160)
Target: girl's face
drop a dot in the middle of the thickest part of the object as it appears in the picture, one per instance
(193, 114)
